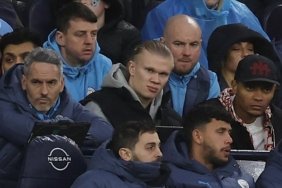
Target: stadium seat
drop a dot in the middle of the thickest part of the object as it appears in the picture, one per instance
(251, 161)
(51, 161)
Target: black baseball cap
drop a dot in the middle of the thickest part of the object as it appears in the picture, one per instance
(257, 68)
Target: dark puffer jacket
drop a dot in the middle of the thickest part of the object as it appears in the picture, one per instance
(117, 38)
(17, 119)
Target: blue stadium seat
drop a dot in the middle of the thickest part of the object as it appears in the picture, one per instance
(51, 161)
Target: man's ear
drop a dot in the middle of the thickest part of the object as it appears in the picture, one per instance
(62, 83)
(60, 39)
(23, 81)
(131, 67)
(197, 136)
(125, 154)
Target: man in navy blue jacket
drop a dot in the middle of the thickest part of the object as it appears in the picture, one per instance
(271, 176)
(200, 155)
(34, 92)
(130, 160)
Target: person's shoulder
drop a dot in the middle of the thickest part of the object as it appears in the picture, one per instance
(165, 9)
(212, 101)
(276, 111)
(102, 57)
(93, 178)
(12, 76)
(212, 75)
(103, 60)
(103, 93)
(236, 5)
(124, 25)
(210, 72)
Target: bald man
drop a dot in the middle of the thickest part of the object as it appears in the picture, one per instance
(190, 83)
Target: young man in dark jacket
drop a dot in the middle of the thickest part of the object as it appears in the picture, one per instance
(136, 92)
(199, 156)
(256, 121)
(34, 92)
(130, 159)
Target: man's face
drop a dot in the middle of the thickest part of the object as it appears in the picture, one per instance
(14, 54)
(149, 74)
(147, 149)
(184, 41)
(78, 42)
(216, 143)
(237, 52)
(252, 99)
(43, 85)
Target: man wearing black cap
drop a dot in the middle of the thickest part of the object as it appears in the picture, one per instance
(256, 124)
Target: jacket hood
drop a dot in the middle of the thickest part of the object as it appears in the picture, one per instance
(118, 78)
(133, 171)
(176, 145)
(223, 37)
(11, 83)
(69, 70)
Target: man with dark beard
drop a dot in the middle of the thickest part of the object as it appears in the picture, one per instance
(130, 159)
(199, 156)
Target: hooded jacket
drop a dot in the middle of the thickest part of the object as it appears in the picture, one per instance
(17, 117)
(118, 102)
(223, 37)
(117, 38)
(80, 81)
(271, 176)
(231, 11)
(108, 171)
(190, 173)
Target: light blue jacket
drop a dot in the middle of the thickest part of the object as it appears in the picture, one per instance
(80, 81)
(178, 87)
(231, 11)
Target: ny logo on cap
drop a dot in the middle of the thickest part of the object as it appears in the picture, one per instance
(260, 69)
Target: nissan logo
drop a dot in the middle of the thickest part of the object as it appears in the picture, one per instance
(59, 159)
